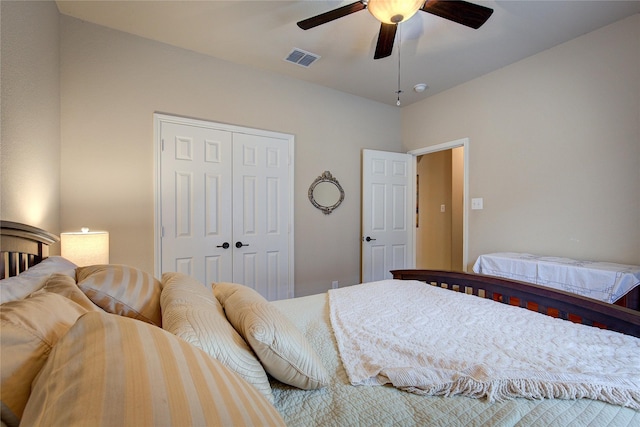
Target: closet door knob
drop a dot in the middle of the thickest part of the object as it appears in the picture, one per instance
(239, 245)
(368, 239)
(225, 245)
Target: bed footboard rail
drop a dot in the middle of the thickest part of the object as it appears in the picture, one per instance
(544, 300)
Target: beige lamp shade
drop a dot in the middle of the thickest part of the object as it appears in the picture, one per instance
(85, 247)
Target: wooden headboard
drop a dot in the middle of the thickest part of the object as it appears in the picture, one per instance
(22, 246)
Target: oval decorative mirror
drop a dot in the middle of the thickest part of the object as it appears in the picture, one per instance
(326, 193)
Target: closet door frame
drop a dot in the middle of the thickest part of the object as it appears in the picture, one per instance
(158, 119)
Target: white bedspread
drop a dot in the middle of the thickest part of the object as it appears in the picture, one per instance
(436, 342)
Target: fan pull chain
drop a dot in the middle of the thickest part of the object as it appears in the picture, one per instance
(398, 92)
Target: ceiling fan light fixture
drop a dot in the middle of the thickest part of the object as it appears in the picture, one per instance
(393, 11)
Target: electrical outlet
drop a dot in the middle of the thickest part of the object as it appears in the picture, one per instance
(334, 284)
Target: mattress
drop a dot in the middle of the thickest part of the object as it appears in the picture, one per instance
(341, 404)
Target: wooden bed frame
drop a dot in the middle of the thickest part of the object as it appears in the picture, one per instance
(549, 301)
(23, 246)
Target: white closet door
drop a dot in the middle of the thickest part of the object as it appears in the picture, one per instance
(225, 205)
(261, 216)
(196, 209)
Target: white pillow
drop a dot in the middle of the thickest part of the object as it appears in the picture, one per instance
(191, 312)
(18, 287)
(283, 350)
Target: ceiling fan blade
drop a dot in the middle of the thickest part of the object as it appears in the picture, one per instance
(386, 37)
(323, 18)
(462, 12)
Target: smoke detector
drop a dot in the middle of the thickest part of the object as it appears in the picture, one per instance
(420, 87)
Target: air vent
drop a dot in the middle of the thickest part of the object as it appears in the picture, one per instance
(301, 57)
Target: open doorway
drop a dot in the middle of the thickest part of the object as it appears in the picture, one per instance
(441, 194)
(439, 210)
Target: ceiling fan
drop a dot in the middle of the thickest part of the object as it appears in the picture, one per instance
(392, 12)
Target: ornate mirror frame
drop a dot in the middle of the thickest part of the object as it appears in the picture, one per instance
(326, 177)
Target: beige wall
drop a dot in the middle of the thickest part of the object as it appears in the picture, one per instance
(554, 148)
(30, 128)
(555, 140)
(113, 82)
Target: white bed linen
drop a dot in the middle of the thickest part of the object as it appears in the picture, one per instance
(18, 287)
(341, 404)
(604, 281)
(429, 340)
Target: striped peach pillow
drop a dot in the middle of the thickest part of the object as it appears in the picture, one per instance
(66, 286)
(113, 371)
(122, 290)
(191, 312)
(29, 329)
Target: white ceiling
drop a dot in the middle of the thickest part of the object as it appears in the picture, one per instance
(434, 51)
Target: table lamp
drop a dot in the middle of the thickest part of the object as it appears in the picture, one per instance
(85, 247)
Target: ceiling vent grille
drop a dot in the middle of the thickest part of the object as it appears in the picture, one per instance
(301, 57)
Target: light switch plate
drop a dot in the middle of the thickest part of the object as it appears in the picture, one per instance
(476, 203)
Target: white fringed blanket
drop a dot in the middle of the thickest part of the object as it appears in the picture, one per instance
(434, 341)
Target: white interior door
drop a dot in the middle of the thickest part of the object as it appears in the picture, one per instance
(260, 214)
(225, 211)
(196, 210)
(387, 217)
